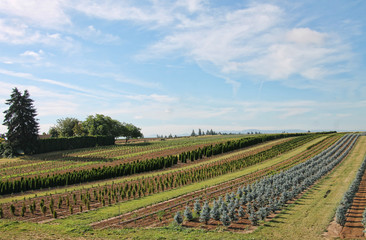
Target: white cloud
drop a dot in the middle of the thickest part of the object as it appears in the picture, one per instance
(123, 10)
(192, 5)
(93, 34)
(255, 41)
(44, 13)
(305, 36)
(16, 32)
(44, 80)
(152, 97)
(47, 102)
(36, 55)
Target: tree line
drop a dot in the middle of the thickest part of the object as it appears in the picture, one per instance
(98, 125)
(22, 136)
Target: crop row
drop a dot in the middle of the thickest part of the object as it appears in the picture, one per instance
(348, 197)
(146, 215)
(24, 168)
(37, 182)
(256, 201)
(110, 153)
(16, 172)
(134, 189)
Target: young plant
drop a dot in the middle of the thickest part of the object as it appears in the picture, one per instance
(205, 213)
(188, 213)
(178, 218)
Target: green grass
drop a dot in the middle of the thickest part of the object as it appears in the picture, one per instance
(114, 210)
(306, 219)
(309, 217)
(145, 175)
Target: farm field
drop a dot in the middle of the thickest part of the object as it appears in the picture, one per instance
(101, 156)
(96, 207)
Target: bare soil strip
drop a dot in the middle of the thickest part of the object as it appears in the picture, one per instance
(353, 229)
(162, 213)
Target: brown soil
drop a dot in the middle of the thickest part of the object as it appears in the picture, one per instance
(333, 230)
(142, 157)
(64, 211)
(353, 228)
(162, 213)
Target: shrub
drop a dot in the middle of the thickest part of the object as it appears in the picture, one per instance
(197, 207)
(178, 218)
(225, 219)
(12, 209)
(205, 213)
(188, 213)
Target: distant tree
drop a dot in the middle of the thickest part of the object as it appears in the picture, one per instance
(103, 125)
(193, 133)
(78, 129)
(53, 132)
(22, 125)
(199, 132)
(64, 127)
(207, 132)
(131, 131)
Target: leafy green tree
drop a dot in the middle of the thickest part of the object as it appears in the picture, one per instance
(64, 127)
(102, 125)
(22, 125)
(193, 133)
(131, 131)
(53, 132)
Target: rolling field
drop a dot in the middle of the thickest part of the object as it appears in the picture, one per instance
(143, 205)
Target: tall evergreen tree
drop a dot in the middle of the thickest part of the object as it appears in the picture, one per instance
(21, 122)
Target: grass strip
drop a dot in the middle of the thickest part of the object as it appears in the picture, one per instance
(120, 208)
(123, 179)
(310, 215)
(12, 230)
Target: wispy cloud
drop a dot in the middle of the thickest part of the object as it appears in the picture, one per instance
(48, 13)
(255, 41)
(152, 97)
(36, 55)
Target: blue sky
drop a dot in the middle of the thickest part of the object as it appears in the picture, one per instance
(174, 66)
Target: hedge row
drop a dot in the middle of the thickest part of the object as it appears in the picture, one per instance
(229, 146)
(33, 183)
(59, 144)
